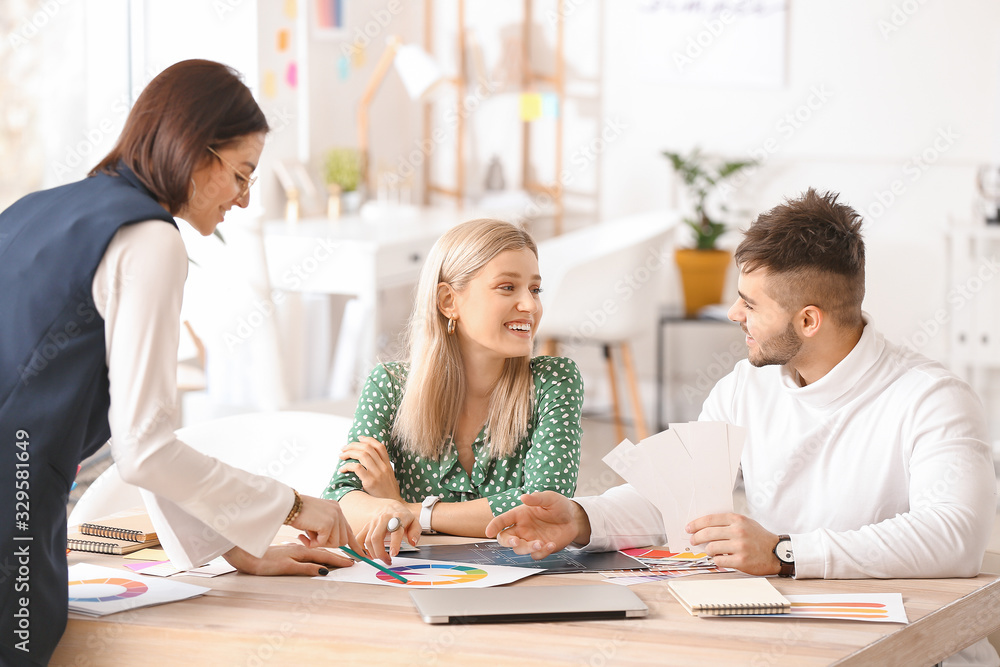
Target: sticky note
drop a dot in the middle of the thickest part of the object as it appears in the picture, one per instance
(550, 105)
(291, 8)
(270, 84)
(343, 67)
(283, 39)
(292, 74)
(531, 106)
(358, 55)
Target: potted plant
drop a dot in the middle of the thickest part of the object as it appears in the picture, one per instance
(703, 268)
(342, 173)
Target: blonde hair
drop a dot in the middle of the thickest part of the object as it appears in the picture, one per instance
(435, 387)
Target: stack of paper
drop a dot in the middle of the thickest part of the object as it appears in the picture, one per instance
(664, 564)
(687, 471)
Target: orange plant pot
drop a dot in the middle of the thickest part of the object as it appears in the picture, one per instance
(703, 276)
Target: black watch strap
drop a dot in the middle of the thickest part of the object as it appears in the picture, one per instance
(787, 569)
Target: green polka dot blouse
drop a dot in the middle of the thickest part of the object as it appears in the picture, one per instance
(547, 459)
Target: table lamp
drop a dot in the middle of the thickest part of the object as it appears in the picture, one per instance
(418, 72)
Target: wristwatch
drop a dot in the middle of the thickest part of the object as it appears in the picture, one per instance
(426, 508)
(783, 552)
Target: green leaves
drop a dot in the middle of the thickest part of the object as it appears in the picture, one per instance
(702, 176)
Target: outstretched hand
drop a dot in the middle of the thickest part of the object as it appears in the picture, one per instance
(544, 524)
(286, 559)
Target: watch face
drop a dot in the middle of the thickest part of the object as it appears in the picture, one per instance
(784, 551)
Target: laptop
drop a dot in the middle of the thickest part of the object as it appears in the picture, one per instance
(523, 604)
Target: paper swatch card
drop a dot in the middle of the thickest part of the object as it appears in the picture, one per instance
(431, 574)
(687, 471)
(871, 607)
(98, 591)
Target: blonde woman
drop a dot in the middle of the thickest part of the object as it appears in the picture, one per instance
(456, 434)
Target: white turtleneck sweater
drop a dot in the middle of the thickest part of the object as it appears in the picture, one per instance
(878, 469)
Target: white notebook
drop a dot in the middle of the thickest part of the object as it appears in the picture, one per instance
(729, 596)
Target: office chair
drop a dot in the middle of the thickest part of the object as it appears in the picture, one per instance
(601, 289)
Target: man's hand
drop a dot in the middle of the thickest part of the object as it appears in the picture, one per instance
(733, 540)
(544, 524)
(369, 460)
(286, 559)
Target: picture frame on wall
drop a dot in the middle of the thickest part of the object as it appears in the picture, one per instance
(327, 18)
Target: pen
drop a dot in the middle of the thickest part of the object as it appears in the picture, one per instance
(355, 554)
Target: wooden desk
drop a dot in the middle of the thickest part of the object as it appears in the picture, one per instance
(247, 620)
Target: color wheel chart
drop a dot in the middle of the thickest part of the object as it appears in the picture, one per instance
(434, 574)
(106, 589)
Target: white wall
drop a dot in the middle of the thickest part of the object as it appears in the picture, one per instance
(889, 99)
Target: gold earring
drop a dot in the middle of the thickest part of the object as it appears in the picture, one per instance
(451, 326)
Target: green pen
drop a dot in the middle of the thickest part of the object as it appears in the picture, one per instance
(355, 554)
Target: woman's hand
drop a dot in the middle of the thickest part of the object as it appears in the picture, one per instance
(324, 524)
(372, 534)
(286, 559)
(372, 466)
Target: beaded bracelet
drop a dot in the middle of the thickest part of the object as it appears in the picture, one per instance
(293, 513)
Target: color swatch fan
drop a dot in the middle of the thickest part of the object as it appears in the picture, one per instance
(98, 591)
(687, 471)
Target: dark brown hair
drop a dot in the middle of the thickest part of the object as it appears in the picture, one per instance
(812, 249)
(185, 109)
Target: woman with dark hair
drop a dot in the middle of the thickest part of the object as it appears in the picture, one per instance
(91, 281)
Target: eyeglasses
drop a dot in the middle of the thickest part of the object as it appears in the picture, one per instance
(247, 181)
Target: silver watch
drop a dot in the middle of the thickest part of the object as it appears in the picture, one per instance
(426, 509)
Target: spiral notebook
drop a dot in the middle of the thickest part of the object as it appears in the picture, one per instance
(132, 528)
(729, 596)
(105, 545)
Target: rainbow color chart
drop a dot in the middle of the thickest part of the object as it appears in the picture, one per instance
(434, 574)
(105, 589)
(97, 591)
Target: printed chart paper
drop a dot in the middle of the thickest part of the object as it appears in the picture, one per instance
(687, 471)
(424, 574)
(872, 607)
(98, 591)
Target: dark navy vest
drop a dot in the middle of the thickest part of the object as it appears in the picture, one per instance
(53, 388)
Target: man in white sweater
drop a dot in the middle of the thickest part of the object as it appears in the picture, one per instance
(862, 458)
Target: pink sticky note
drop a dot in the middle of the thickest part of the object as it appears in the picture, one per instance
(292, 74)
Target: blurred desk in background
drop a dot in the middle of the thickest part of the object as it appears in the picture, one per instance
(360, 258)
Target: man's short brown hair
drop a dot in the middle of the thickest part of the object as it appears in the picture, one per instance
(812, 249)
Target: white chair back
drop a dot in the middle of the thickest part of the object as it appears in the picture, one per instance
(297, 448)
(601, 283)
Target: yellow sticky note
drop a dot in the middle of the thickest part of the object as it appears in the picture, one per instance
(147, 554)
(357, 55)
(291, 8)
(531, 106)
(270, 85)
